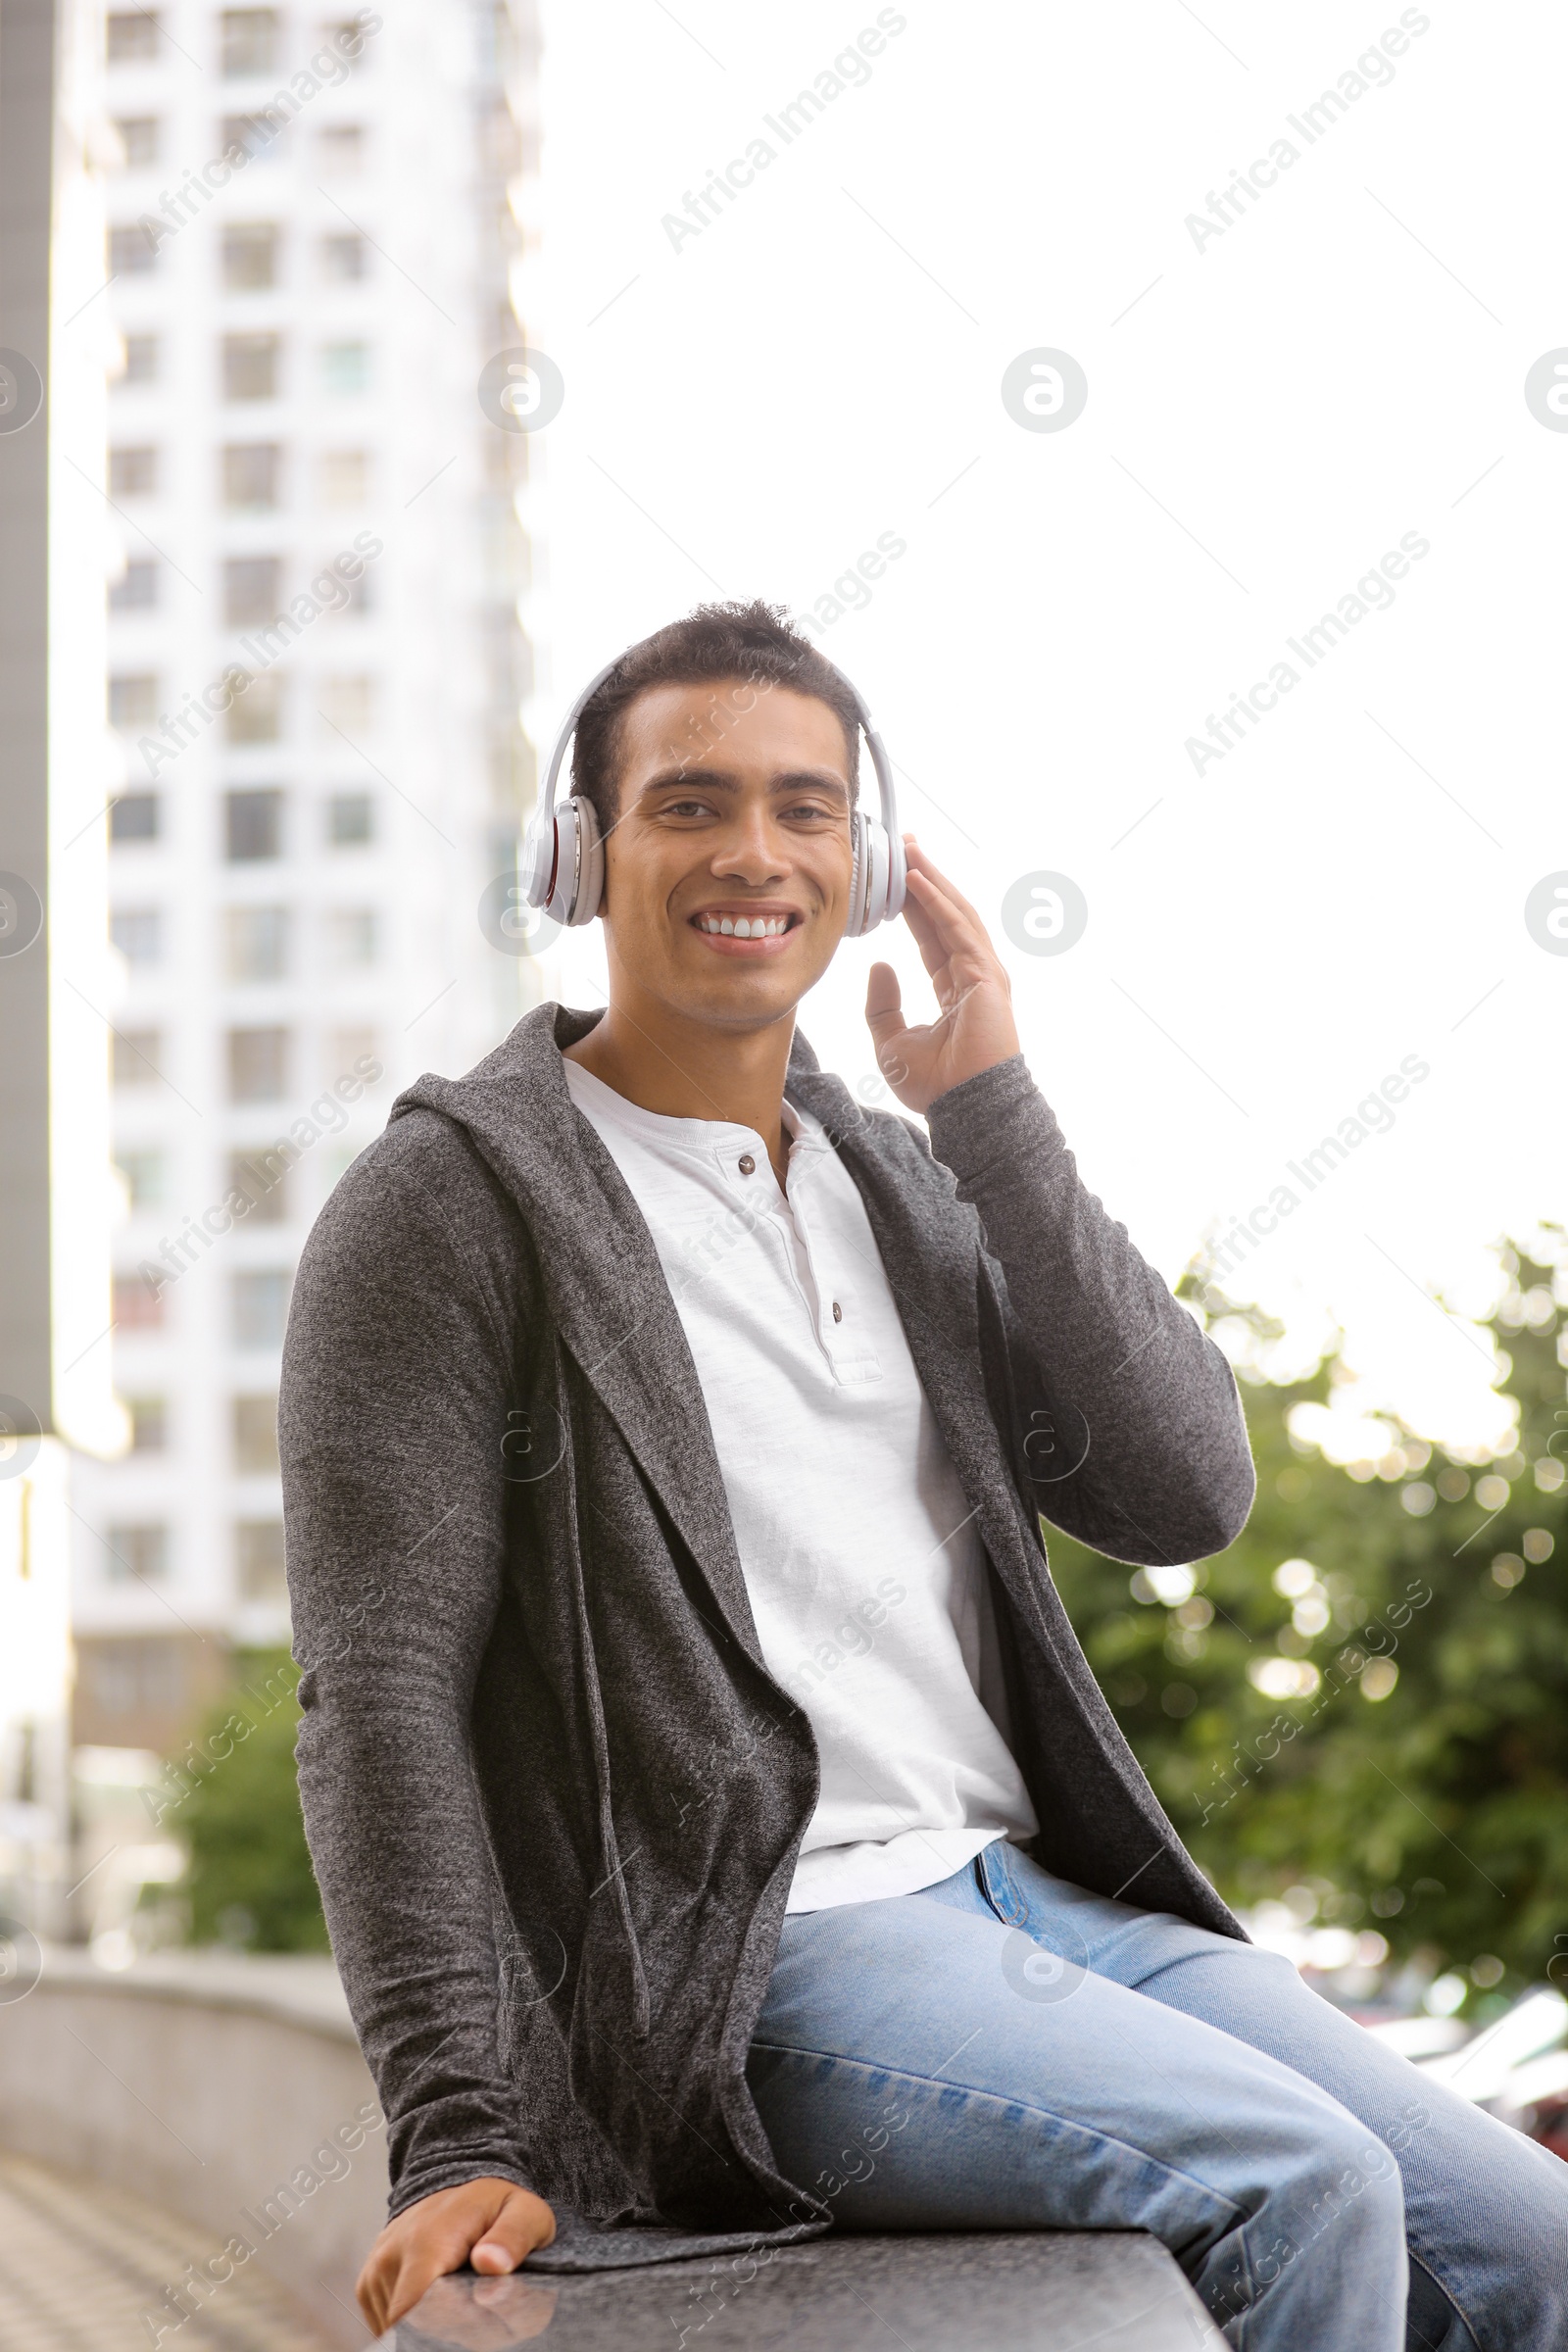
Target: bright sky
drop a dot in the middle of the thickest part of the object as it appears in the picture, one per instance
(1272, 409)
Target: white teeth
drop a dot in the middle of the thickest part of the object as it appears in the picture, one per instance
(758, 926)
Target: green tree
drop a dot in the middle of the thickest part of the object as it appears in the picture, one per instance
(1420, 1774)
(250, 1881)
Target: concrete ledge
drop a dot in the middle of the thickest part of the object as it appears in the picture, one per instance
(1029, 2292)
(228, 2090)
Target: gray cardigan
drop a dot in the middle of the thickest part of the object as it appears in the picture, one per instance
(553, 1798)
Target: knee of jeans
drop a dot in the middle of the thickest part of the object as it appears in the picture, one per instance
(1350, 2181)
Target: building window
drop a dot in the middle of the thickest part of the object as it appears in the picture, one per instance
(141, 360)
(249, 589)
(149, 1424)
(347, 704)
(251, 474)
(132, 37)
(253, 135)
(134, 818)
(349, 35)
(137, 1306)
(133, 473)
(257, 715)
(140, 1679)
(137, 932)
(253, 825)
(348, 819)
(260, 1303)
(259, 1556)
(132, 251)
(345, 259)
(258, 1065)
(260, 1176)
(340, 147)
(133, 702)
(255, 1435)
(250, 256)
(137, 589)
(143, 1173)
(135, 1056)
(248, 40)
(142, 1176)
(138, 140)
(345, 1050)
(344, 475)
(136, 1552)
(346, 367)
(250, 366)
(351, 941)
(256, 941)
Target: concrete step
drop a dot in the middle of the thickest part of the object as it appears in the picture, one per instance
(1034, 2291)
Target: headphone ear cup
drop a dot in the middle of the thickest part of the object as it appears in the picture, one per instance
(898, 877)
(876, 897)
(859, 872)
(579, 863)
(590, 861)
(538, 861)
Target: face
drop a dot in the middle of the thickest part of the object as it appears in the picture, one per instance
(728, 875)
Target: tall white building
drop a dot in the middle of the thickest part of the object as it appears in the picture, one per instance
(316, 672)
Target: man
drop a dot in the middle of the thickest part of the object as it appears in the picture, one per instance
(721, 1834)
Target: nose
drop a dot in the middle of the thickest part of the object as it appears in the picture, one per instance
(753, 849)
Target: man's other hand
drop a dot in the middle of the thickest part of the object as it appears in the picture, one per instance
(493, 2225)
(974, 995)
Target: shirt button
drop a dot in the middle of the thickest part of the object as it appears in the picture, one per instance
(838, 1312)
(748, 1165)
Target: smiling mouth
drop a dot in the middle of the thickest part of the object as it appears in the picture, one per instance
(733, 927)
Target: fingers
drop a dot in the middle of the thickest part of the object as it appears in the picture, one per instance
(884, 1017)
(952, 918)
(918, 861)
(883, 999)
(523, 2223)
(492, 2224)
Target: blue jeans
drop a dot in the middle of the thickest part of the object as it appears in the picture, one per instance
(1007, 2051)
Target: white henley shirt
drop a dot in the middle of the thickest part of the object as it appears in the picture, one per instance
(863, 1563)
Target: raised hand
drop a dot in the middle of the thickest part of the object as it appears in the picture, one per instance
(974, 1028)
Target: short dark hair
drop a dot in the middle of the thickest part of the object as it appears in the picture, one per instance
(752, 641)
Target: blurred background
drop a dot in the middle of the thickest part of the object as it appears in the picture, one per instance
(1163, 418)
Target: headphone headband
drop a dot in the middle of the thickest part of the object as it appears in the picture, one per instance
(876, 889)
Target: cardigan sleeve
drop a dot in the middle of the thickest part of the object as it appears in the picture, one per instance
(1130, 1420)
(394, 1518)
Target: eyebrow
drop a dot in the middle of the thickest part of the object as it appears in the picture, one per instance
(721, 780)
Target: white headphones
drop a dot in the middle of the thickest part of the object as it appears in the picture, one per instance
(563, 855)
